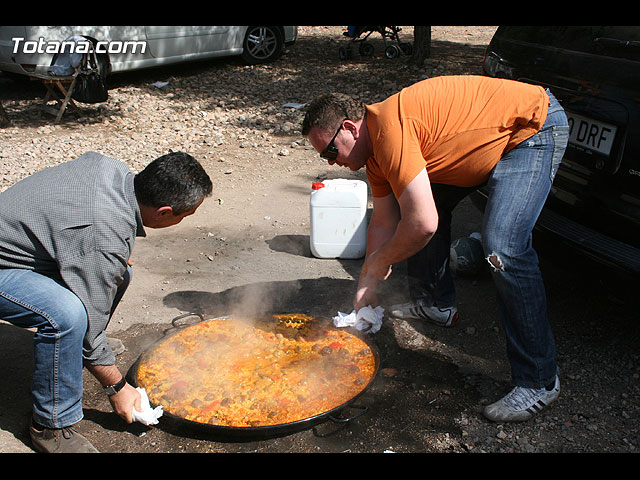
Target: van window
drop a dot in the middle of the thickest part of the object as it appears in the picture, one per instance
(611, 41)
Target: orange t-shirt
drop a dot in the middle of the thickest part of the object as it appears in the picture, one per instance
(457, 126)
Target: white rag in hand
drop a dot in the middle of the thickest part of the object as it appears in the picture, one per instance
(148, 416)
(367, 318)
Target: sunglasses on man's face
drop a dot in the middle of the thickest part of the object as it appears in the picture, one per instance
(331, 152)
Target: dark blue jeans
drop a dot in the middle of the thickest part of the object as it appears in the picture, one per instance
(31, 300)
(517, 190)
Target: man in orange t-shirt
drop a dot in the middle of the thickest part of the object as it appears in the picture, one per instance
(427, 147)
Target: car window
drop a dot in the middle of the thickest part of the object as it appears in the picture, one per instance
(612, 41)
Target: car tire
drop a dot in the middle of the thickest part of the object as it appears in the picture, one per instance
(262, 44)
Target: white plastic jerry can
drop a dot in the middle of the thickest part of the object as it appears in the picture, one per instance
(338, 211)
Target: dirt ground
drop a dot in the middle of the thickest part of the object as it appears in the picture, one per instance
(247, 248)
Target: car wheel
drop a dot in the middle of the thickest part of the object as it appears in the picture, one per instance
(262, 44)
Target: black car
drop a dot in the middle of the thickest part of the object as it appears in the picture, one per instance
(594, 72)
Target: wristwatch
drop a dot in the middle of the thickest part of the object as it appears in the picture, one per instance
(113, 389)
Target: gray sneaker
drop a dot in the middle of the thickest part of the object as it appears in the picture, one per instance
(116, 345)
(59, 440)
(444, 317)
(521, 403)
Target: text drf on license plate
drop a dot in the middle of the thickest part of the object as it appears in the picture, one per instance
(591, 134)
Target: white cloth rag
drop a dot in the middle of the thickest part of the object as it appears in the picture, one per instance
(148, 415)
(367, 318)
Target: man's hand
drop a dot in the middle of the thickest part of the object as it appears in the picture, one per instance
(125, 401)
(366, 294)
(370, 276)
(373, 267)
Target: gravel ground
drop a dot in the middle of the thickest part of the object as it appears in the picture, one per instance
(224, 112)
(210, 104)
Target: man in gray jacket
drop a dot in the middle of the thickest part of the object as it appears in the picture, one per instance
(66, 235)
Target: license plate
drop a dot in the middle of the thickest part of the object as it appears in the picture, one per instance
(591, 134)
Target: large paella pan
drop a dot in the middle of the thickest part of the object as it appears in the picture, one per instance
(237, 375)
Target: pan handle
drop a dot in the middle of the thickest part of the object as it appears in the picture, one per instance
(175, 323)
(363, 409)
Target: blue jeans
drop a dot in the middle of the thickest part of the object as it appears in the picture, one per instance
(517, 190)
(31, 300)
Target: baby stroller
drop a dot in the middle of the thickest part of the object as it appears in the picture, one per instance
(366, 49)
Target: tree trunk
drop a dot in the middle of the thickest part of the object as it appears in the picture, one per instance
(421, 45)
(4, 120)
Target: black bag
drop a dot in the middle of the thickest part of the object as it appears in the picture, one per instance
(90, 86)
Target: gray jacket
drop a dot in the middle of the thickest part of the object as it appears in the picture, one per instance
(75, 222)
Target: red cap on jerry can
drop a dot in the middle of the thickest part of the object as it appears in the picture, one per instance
(317, 185)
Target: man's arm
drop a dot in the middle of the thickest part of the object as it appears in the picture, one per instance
(383, 224)
(416, 219)
(384, 221)
(94, 278)
(123, 400)
(418, 223)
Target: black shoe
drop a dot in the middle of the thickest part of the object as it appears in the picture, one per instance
(59, 440)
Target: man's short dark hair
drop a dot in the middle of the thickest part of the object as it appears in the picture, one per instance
(328, 110)
(176, 180)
